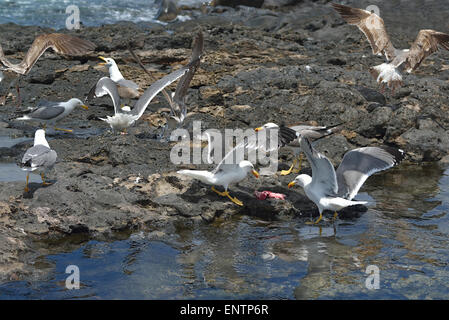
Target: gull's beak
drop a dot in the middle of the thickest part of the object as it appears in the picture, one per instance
(258, 129)
(102, 63)
(291, 184)
(84, 107)
(255, 173)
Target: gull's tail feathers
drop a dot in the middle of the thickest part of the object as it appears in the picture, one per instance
(387, 74)
(202, 175)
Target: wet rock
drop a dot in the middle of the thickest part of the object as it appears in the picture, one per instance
(234, 3)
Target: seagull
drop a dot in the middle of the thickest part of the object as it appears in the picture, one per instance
(125, 117)
(373, 28)
(176, 100)
(126, 88)
(230, 168)
(311, 132)
(223, 175)
(50, 112)
(334, 190)
(63, 44)
(38, 158)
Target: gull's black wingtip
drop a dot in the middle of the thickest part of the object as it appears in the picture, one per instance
(397, 154)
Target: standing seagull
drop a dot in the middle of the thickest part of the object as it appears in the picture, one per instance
(38, 158)
(331, 190)
(311, 132)
(223, 175)
(126, 88)
(122, 118)
(61, 43)
(50, 112)
(373, 28)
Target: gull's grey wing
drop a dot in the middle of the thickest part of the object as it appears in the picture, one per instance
(358, 164)
(106, 86)
(39, 156)
(154, 89)
(46, 112)
(323, 172)
(128, 84)
(184, 82)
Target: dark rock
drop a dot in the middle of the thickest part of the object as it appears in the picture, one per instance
(371, 95)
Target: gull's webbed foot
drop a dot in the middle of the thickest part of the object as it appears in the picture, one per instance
(318, 220)
(287, 172)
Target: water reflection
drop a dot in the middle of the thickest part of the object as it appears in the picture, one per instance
(405, 234)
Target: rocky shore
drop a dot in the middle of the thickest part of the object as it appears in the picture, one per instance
(292, 62)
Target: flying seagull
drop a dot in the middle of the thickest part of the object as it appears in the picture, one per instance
(126, 88)
(302, 130)
(49, 112)
(334, 190)
(39, 158)
(176, 100)
(125, 117)
(63, 44)
(373, 28)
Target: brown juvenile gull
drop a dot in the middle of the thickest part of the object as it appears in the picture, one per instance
(373, 28)
(302, 130)
(63, 44)
(334, 190)
(39, 157)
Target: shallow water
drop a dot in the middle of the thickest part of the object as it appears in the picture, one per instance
(404, 233)
(52, 13)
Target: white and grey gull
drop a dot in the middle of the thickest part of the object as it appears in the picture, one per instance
(40, 158)
(334, 190)
(50, 112)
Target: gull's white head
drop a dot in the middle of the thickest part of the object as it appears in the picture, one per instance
(301, 180)
(248, 167)
(108, 62)
(39, 138)
(269, 125)
(75, 102)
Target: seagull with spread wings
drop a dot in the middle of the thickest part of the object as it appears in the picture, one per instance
(63, 44)
(125, 117)
(301, 130)
(177, 100)
(373, 27)
(334, 190)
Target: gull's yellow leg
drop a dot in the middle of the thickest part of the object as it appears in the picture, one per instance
(43, 181)
(223, 194)
(26, 186)
(66, 130)
(287, 172)
(335, 215)
(234, 199)
(299, 164)
(318, 220)
(123, 132)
